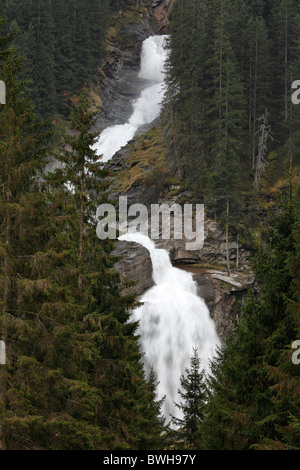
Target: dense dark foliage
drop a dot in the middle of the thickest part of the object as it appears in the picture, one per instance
(230, 122)
(193, 397)
(255, 386)
(232, 132)
(73, 377)
(64, 44)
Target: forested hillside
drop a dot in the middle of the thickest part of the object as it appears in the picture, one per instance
(73, 378)
(64, 43)
(233, 134)
(230, 122)
(226, 134)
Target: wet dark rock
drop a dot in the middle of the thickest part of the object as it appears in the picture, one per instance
(135, 265)
(162, 10)
(122, 84)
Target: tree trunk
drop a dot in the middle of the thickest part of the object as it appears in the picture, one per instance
(237, 251)
(227, 238)
(81, 223)
(254, 103)
(221, 63)
(286, 64)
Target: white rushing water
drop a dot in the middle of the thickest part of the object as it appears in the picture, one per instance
(172, 320)
(145, 108)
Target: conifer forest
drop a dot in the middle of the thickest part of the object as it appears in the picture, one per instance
(116, 339)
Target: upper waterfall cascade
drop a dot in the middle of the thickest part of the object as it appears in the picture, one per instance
(172, 321)
(146, 107)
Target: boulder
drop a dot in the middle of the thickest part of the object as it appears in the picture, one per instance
(135, 265)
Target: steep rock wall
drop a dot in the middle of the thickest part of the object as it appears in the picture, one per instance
(129, 28)
(222, 292)
(162, 10)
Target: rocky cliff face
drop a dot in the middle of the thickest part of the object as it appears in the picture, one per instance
(222, 292)
(120, 72)
(125, 37)
(162, 10)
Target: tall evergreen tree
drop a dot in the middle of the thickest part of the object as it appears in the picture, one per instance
(255, 385)
(227, 116)
(73, 378)
(193, 393)
(64, 44)
(153, 430)
(119, 371)
(184, 104)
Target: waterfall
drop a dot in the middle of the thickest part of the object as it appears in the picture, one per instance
(172, 320)
(146, 107)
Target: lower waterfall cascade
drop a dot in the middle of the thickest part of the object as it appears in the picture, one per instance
(173, 320)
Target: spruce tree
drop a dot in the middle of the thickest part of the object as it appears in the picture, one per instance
(5, 39)
(153, 430)
(64, 45)
(193, 393)
(115, 358)
(227, 118)
(254, 385)
(73, 377)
